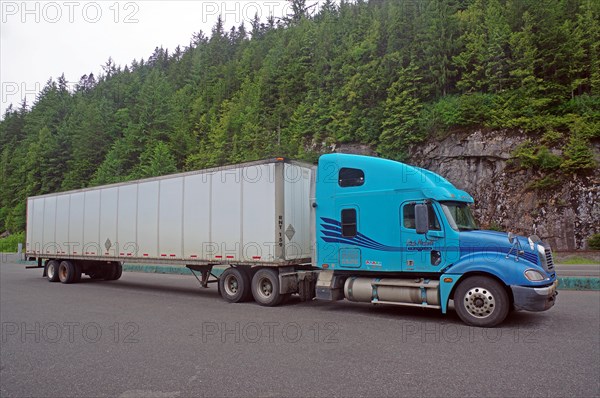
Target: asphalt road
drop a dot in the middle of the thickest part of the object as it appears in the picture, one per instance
(592, 270)
(164, 336)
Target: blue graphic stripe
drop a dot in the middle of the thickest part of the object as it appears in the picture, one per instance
(359, 238)
(350, 241)
(336, 225)
(332, 233)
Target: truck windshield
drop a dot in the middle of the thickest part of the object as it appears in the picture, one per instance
(459, 216)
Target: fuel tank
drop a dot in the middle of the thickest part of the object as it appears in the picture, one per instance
(394, 291)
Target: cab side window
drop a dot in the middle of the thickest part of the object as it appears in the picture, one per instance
(408, 217)
(351, 177)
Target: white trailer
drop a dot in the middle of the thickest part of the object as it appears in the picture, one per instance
(253, 217)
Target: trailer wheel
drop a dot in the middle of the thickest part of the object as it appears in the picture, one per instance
(265, 288)
(119, 271)
(77, 276)
(481, 301)
(234, 284)
(285, 298)
(52, 270)
(113, 271)
(248, 290)
(66, 272)
(108, 271)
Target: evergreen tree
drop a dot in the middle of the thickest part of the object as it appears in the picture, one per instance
(402, 108)
(383, 73)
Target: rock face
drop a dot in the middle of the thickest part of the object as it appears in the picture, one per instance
(479, 163)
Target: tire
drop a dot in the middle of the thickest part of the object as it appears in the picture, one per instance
(481, 301)
(66, 272)
(248, 290)
(52, 270)
(118, 272)
(77, 276)
(234, 285)
(111, 271)
(265, 288)
(285, 298)
(306, 290)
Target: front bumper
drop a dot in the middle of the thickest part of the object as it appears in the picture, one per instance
(534, 298)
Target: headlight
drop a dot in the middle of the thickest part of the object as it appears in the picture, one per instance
(534, 276)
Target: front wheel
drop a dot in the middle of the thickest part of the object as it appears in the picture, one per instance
(481, 301)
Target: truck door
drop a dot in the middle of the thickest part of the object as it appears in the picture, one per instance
(421, 252)
(349, 254)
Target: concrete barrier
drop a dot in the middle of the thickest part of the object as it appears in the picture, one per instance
(578, 283)
(564, 282)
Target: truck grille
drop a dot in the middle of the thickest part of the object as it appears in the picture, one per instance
(549, 259)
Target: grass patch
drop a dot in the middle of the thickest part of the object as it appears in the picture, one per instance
(575, 260)
(11, 242)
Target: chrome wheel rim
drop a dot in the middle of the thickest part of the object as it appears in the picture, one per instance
(51, 270)
(62, 272)
(265, 288)
(231, 285)
(479, 302)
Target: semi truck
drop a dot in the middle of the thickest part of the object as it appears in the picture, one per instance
(359, 228)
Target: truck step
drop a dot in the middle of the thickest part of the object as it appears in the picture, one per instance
(406, 304)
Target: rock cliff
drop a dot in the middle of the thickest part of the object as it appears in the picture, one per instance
(479, 162)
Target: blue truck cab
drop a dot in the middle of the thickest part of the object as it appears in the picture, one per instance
(390, 233)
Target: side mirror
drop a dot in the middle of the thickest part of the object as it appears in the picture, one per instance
(421, 218)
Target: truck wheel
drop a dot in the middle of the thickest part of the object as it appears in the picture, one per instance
(119, 271)
(481, 301)
(306, 290)
(248, 290)
(52, 270)
(77, 276)
(265, 288)
(66, 272)
(111, 271)
(234, 284)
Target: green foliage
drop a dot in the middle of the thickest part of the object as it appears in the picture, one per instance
(552, 137)
(578, 155)
(402, 108)
(10, 244)
(575, 260)
(548, 182)
(530, 155)
(155, 161)
(594, 242)
(386, 73)
(494, 226)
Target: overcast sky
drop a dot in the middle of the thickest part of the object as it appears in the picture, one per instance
(43, 39)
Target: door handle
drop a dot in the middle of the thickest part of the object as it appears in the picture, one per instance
(436, 257)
